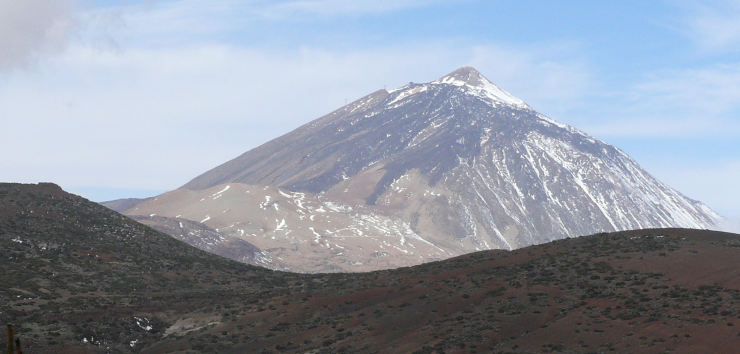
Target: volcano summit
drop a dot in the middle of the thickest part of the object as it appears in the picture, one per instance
(423, 172)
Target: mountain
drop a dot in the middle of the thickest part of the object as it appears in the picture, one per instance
(80, 278)
(458, 164)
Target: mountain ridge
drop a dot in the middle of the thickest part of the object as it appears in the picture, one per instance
(464, 163)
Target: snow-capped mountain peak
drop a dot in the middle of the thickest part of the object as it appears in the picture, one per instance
(474, 83)
(458, 162)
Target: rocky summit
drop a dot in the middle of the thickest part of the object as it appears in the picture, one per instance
(423, 172)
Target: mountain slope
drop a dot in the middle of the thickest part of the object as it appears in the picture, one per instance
(122, 204)
(77, 275)
(296, 231)
(465, 164)
(203, 237)
(80, 278)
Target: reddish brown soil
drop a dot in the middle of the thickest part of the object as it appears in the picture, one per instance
(624, 292)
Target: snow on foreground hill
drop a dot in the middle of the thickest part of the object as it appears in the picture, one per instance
(424, 172)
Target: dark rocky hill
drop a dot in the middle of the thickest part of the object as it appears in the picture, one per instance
(78, 277)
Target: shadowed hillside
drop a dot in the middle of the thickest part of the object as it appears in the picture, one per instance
(79, 277)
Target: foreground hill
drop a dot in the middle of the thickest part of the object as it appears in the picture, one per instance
(81, 278)
(457, 164)
(76, 275)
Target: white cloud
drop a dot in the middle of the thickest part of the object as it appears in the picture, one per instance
(551, 77)
(676, 103)
(287, 9)
(687, 102)
(174, 98)
(712, 90)
(33, 29)
(664, 126)
(188, 21)
(156, 111)
(714, 26)
(154, 118)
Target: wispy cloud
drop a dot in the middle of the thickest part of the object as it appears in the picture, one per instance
(713, 25)
(197, 106)
(552, 77)
(32, 29)
(677, 103)
(711, 90)
(661, 126)
(189, 21)
(187, 84)
(328, 8)
(175, 91)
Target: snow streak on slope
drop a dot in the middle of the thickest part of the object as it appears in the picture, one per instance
(541, 189)
(455, 165)
(294, 230)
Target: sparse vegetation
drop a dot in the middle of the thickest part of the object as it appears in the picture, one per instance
(82, 277)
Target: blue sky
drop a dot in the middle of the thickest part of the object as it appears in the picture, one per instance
(115, 99)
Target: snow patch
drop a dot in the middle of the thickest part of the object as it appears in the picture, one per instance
(483, 89)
